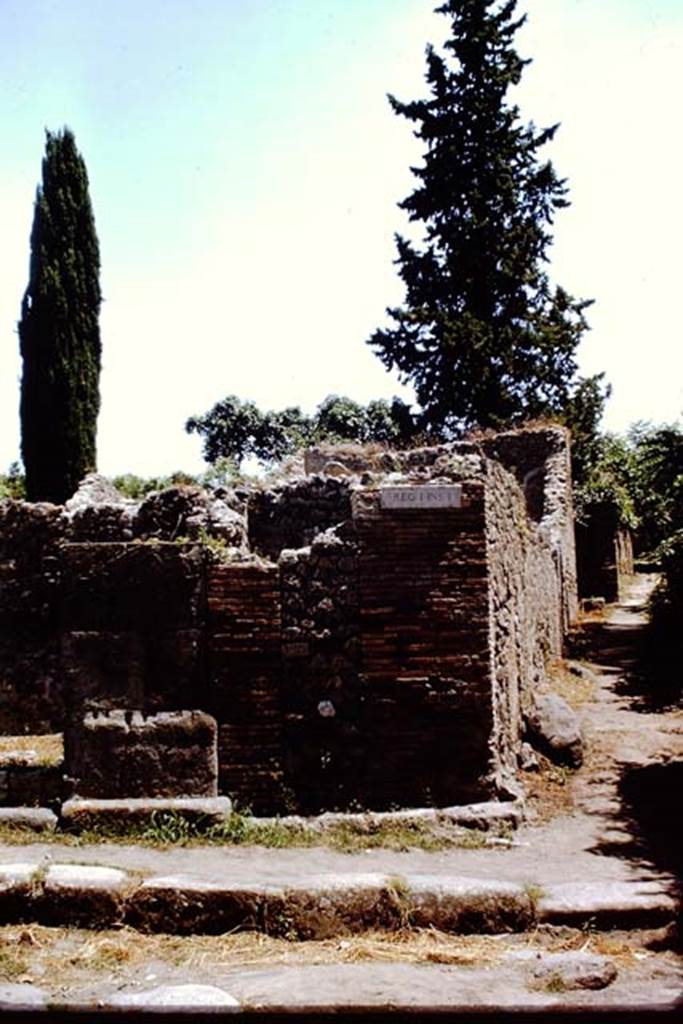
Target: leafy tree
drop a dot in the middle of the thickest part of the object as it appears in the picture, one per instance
(482, 336)
(340, 418)
(59, 329)
(582, 413)
(608, 482)
(657, 481)
(12, 484)
(235, 429)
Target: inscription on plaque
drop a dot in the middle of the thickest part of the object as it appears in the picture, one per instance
(436, 496)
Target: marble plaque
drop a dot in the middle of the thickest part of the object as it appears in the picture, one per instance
(435, 496)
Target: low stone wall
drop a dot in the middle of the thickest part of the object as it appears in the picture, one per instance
(32, 786)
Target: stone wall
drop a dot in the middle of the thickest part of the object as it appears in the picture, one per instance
(31, 690)
(525, 614)
(324, 743)
(293, 514)
(132, 621)
(540, 460)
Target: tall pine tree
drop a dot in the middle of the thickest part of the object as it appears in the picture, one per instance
(59, 329)
(482, 336)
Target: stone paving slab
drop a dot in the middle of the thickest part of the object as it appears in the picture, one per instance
(513, 984)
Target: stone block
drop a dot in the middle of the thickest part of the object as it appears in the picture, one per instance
(125, 753)
(39, 819)
(88, 896)
(188, 997)
(554, 728)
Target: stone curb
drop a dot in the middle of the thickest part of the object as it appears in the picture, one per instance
(80, 814)
(40, 819)
(325, 906)
(478, 816)
(524, 980)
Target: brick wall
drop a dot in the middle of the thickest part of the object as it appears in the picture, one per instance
(244, 682)
(425, 649)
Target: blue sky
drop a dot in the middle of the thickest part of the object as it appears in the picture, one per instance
(245, 168)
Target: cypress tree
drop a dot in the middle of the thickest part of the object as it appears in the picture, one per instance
(59, 329)
(482, 336)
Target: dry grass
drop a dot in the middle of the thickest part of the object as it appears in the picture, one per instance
(32, 750)
(549, 790)
(576, 690)
(69, 953)
(70, 957)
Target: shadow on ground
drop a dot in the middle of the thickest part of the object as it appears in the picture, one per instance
(650, 802)
(649, 662)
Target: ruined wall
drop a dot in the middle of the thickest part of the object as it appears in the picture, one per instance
(540, 459)
(131, 620)
(290, 516)
(31, 689)
(356, 639)
(325, 746)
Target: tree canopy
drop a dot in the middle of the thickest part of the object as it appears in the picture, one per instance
(59, 329)
(482, 336)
